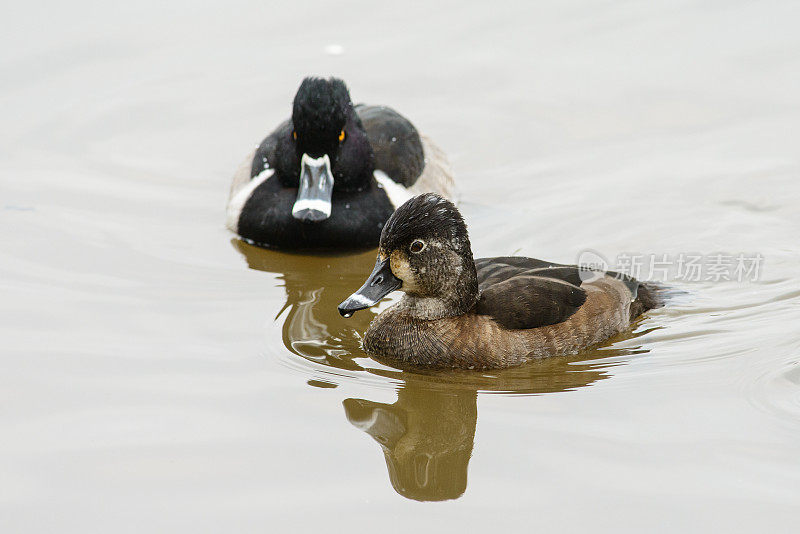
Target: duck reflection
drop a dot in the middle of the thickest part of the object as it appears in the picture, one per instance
(427, 435)
(315, 285)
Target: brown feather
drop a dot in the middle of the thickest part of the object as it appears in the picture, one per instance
(473, 341)
(530, 301)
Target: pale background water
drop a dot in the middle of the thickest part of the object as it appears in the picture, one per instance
(146, 378)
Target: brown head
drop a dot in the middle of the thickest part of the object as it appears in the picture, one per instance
(425, 252)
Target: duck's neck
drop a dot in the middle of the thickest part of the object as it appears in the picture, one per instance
(427, 308)
(455, 298)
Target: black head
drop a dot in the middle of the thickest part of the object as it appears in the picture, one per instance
(325, 123)
(425, 247)
(321, 109)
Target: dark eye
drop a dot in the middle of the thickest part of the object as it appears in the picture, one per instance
(341, 136)
(417, 246)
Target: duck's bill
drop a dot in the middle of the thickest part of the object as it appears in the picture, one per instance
(379, 284)
(313, 202)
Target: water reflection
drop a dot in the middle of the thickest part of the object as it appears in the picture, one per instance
(315, 285)
(426, 437)
(427, 434)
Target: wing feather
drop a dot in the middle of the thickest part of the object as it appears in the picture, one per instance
(523, 293)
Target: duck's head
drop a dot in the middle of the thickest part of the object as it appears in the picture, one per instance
(424, 252)
(331, 145)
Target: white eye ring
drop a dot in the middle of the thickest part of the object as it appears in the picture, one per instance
(417, 246)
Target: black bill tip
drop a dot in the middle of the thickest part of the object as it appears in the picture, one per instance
(380, 283)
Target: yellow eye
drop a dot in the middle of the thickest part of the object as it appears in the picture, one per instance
(294, 135)
(341, 136)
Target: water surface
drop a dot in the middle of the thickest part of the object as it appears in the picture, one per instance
(158, 375)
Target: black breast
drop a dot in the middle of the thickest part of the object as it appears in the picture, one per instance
(356, 219)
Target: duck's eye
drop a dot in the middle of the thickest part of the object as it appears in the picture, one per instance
(417, 246)
(294, 135)
(341, 136)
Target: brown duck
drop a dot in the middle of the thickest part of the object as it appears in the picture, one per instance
(485, 313)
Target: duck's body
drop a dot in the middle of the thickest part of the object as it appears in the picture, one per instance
(487, 337)
(285, 196)
(489, 313)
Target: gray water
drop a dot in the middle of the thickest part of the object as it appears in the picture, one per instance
(157, 375)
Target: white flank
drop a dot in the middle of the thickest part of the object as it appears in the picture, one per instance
(238, 200)
(398, 195)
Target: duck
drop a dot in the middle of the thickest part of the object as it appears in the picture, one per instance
(490, 313)
(330, 176)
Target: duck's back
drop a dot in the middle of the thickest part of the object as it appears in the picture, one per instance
(395, 142)
(405, 156)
